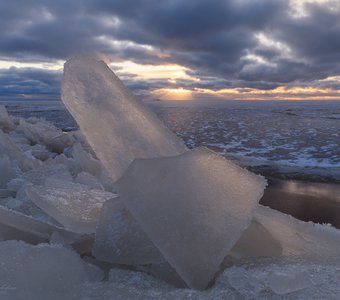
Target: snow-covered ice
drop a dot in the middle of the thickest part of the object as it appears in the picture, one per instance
(118, 127)
(194, 207)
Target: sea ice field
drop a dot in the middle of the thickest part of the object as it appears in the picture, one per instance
(288, 139)
(101, 200)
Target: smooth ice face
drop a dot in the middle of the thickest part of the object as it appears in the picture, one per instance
(119, 238)
(77, 209)
(118, 128)
(298, 238)
(256, 241)
(194, 207)
(42, 272)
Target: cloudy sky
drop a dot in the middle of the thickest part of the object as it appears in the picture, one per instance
(176, 49)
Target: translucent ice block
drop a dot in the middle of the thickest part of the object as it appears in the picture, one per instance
(298, 238)
(117, 127)
(194, 207)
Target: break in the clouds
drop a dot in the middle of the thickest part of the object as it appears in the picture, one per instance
(172, 48)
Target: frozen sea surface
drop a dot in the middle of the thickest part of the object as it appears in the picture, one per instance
(271, 137)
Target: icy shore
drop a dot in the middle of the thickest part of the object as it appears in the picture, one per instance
(21, 219)
(188, 219)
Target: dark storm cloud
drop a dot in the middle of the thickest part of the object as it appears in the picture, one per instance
(216, 39)
(26, 82)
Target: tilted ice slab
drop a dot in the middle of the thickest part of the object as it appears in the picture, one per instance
(17, 226)
(194, 207)
(6, 124)
(76, 208)
(119, 238)
(117, 127)
(298, 238)
(42, 272)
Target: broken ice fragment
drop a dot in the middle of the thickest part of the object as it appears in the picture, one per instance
(39, 175)
(117, 127)
(85, 161)
(8, 147)
(119, 238)
(24, 204)
(89, 180)
(298, 238)
(6, 123)
(45, 133)
(242, 281)
(287, 282)
(17, 226)
(77, 209)
(194, 207)
(42, 272)
(7, 171)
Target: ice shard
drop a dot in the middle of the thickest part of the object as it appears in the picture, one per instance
(117, 127)
(17, 226)
(7, 171)
(193, 207)
(8, 147)
(6, 124)
(119, 238)
(298, 238)
(76, 208)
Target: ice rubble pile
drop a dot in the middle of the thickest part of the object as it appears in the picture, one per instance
(182, 216)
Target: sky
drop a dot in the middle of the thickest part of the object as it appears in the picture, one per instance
(176, 49)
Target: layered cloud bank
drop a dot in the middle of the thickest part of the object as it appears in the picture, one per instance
(174, 49)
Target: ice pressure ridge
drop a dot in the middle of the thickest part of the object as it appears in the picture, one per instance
(182, 216)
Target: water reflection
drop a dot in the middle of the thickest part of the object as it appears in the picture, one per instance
(316, 202)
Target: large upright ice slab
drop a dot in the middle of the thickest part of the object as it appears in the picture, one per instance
(194, 207)
(118, 127)
(76, 208)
